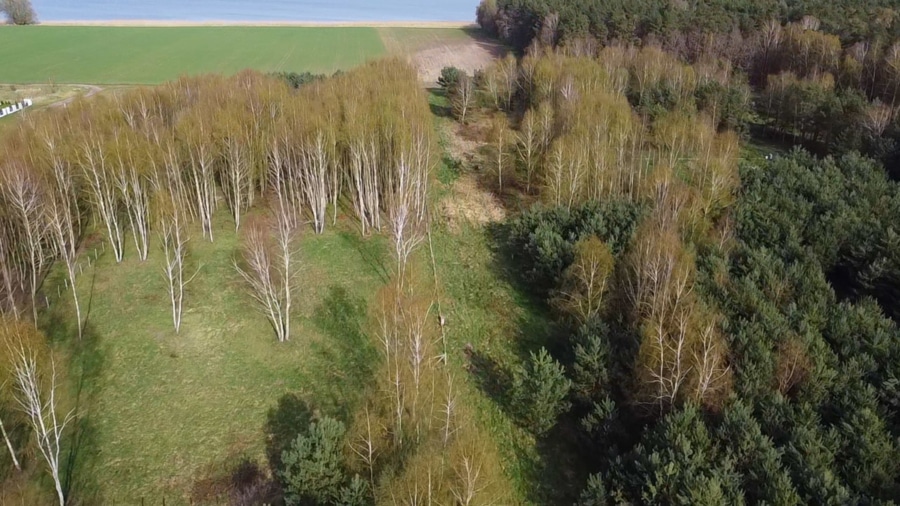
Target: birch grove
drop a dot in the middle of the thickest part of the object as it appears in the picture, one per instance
(155, 167)
(582, 139)
(26, 198)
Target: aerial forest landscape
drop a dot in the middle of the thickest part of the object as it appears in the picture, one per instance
(521, 252)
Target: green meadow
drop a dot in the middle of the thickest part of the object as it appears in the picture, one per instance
(150, 55)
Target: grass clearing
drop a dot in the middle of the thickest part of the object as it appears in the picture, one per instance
(493, 325)
(159, 408)
(160, 412)
(149, 55)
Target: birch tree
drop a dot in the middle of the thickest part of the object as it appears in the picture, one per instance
(36, 395)
(26, 196)
(584, 283)
(528, 140)
(9, 274)
(314, 173)
(235, 137)
(96, 168)
(130, 177)
(365, 188)
(267, 268)
(64, 224)
(500, 139)
(462, 97)
(6, 398)
(199, 147)
(174, 238)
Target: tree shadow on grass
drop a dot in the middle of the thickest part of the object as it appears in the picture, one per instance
(236, 481)
(492, 378)
(344, 360)
(554, 467)
(438, 101)
(371, 251)
(288, 418)
(86, 361)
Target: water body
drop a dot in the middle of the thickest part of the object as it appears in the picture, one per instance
(256, 10)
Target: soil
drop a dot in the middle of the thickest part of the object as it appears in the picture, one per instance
(469, 55)
(468, 200)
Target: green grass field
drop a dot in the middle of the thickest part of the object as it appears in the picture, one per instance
(161, 413)
(158, 409)
(148, 55)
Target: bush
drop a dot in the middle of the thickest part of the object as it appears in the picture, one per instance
(295, 80)
(449, 78)
(595, 493)
(539, 392)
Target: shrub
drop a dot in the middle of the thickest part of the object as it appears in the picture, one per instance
(449, 78)
(295, 80)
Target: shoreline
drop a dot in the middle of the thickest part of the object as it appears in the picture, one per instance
(326, 24)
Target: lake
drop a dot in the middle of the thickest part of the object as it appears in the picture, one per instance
(256, 10)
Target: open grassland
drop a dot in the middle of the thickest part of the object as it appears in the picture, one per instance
(160, 410)
(163, 413)
(148, 55)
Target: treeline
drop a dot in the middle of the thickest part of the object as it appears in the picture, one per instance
(727, 336)
(519, 22)
(824, 74)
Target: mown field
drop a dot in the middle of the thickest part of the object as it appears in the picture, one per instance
(149, 55)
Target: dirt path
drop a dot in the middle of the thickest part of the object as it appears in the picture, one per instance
(91, 91)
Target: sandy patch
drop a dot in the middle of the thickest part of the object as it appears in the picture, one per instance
(372, 24)
(469, 203)
(471, 55)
